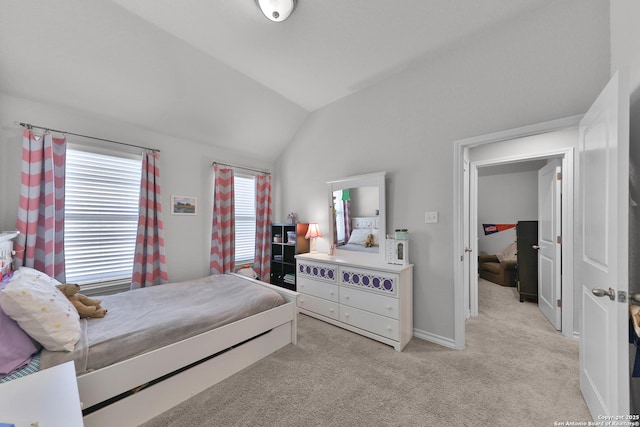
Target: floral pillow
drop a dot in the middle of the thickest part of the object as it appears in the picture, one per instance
(41, 310)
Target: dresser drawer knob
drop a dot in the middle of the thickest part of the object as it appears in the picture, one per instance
(346, 315)
(389, 307)
(331, 310)
(346, 297)
(388, 328)
(331, 293)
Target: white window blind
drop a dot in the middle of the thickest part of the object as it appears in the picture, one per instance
(101, 215)
(245, 218)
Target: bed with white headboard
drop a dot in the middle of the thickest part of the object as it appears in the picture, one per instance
(361, 228)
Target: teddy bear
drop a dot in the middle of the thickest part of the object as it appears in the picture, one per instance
(370, 241)
(86, 306)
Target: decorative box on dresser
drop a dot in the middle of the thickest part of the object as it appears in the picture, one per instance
(370, 298)
(287, 240)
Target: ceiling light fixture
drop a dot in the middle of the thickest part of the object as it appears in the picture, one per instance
(277, 10)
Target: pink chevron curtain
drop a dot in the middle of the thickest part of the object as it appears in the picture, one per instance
(149, 265)
(40, 244)
(347, 220)
(223, 225)
(262, 258)
(334, 220)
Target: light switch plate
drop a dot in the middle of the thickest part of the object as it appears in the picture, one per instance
(431, 217)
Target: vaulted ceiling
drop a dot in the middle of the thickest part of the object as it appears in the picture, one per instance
(217, 71)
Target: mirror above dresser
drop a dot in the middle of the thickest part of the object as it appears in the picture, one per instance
(358, 219)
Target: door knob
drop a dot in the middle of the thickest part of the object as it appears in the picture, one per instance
(611, 293)
(536, 247)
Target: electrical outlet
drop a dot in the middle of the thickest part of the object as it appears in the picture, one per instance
(431, 217)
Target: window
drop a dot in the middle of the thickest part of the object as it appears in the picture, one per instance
(245, 217)
(101, 216)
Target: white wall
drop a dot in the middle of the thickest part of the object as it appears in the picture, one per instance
(505, 198)
(185, 170)
(550, 64)
(364, 201)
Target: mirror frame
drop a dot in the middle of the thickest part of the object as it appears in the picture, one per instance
(376, 179)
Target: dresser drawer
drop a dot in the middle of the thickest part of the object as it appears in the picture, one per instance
(377, 281)
(380, 325)
(368, 301)
(319, 305)
(317, 271)
(317, 289)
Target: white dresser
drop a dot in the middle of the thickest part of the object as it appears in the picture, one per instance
(369, 298)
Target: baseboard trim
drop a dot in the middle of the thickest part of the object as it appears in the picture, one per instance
(436, 339)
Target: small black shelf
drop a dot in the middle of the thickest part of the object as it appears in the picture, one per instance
(283, 252)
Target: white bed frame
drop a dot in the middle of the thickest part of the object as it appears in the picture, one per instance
(267, 332)
(365, 222)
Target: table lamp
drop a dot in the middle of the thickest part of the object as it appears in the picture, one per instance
(312, 233)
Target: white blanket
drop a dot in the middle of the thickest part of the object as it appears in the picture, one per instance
(145, 319)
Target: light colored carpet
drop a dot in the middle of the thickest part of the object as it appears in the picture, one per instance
(516, 370)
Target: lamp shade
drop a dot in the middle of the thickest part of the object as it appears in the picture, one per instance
(313, 231)
(277, 10)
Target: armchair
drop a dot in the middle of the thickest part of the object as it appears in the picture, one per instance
(500, 268)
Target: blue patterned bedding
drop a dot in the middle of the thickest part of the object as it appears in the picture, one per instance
(30, 368)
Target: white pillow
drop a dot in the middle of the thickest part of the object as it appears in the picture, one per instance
(359, 236)
(41, 310)
(33, 274)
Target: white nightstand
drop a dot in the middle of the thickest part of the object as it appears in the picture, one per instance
(48, 397)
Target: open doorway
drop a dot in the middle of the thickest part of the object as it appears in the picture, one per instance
(519, 223)
(556, 139)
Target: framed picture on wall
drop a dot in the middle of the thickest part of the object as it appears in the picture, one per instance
(184, 205)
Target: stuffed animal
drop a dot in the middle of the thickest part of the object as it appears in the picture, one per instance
(86, 306)
(370, 241)
(248, 272)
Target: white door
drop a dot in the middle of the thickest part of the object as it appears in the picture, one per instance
(470, 275)
(549, 247)
(604, 178)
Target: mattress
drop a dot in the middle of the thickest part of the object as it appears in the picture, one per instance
(146, 319)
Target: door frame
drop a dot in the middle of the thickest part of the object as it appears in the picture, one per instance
(461, 148)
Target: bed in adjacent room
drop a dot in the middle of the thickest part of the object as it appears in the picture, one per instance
(156, 346)
(364, 235)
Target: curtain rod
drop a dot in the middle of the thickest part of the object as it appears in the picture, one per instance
(241, 167)
(30, 126)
